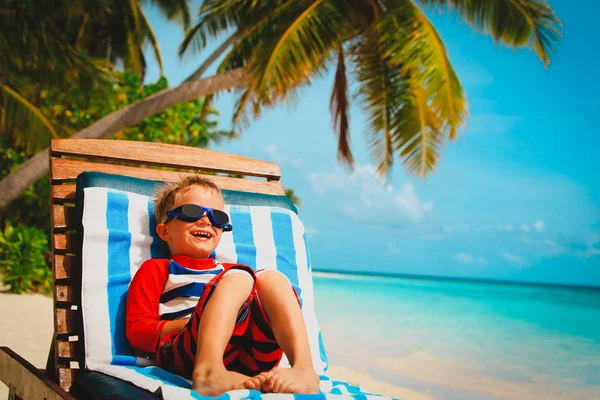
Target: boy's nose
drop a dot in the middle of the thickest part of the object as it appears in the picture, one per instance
(204, 218)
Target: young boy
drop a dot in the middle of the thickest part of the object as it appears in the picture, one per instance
(222, 325)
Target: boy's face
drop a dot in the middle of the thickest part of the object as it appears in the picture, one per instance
(193, 239)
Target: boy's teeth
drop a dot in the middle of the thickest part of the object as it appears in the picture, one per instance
(201, 234)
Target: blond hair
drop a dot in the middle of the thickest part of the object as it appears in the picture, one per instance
(166, 196)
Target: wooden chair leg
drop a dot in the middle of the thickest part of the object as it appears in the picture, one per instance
(50, 372)
(26, 381)
(12, 395)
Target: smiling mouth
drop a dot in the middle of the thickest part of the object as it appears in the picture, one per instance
(203, 235)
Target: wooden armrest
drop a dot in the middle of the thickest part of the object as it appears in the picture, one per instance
(26, 381)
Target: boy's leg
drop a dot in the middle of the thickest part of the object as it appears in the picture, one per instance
(210, 377)
(281, 306)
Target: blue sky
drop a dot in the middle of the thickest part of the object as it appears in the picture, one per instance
(516, 197)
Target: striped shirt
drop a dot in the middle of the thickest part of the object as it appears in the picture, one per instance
(164, 290)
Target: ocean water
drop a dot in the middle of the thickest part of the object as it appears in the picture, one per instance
(463, 339)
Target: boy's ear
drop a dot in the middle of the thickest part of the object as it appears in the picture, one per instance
(163, 232)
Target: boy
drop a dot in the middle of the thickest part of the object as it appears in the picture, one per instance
(234, 335)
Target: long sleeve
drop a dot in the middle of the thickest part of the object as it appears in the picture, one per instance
(143, 326)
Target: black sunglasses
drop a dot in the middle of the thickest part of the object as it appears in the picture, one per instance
(193, 212)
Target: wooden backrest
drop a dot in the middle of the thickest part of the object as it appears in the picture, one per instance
(70, 157)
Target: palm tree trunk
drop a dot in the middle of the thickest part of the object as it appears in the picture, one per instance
(35, 168)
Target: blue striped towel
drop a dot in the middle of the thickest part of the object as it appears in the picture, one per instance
(119, 235)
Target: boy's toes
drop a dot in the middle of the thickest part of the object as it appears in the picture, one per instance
(250, 384)
(256, 382)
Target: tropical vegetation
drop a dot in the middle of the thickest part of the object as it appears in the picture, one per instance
(59, 63)
(406, 83)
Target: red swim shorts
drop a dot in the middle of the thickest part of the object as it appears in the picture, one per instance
(251, 350)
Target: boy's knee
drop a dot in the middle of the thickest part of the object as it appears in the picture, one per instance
(241, 280)
(271, 278)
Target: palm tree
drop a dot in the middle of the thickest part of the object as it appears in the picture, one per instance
(119, 30)
(407, 85)
(66, 44)
(39, 55)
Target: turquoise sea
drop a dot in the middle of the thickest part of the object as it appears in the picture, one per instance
(456, 339)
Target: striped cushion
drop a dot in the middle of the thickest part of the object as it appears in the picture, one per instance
(119, 234)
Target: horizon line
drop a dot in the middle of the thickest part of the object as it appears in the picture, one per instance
(456, 278)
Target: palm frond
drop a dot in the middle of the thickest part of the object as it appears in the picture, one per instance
(414, 43)
(194, 41)
(215, 17)
(146, 27)
(516, 23)
(219, 17)
(215, 55)
(207, 106)
(380, 91)
(417, 134)
(296, 51)
(174, 10)
(24, 122)
(339, 106)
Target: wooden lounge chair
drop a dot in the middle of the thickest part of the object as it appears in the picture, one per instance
(68, 158)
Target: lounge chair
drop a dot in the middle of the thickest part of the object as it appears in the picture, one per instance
(83, 171)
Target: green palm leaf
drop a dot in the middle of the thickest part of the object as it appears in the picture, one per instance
(380, 85)
(414, 43)
(174, 10)
(517, 23)
(149, 32)
(297, 49)
(417, 134)
(23, 121)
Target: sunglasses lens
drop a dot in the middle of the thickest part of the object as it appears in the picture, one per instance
(220, 217)
(191, 212)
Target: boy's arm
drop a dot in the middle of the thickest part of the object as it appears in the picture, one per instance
(143, 327)
(173, 326)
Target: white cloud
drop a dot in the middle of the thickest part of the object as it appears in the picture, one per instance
(322, 183)
(463, 257)
(513, 258)
(408, 202)
(432, 237)
(525, 228)
(363, 194)
(539, 226)
(280, 158)
(507, 228)
(467, 258)
(391, 248)
(591, 252)
(462, 228)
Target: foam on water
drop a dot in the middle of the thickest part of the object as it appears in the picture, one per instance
(505, 341)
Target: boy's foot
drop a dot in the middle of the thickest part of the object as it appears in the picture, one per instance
(291, 380)
(256, 382)
(216, 382)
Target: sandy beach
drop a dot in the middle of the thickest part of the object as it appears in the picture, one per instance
(27, 329)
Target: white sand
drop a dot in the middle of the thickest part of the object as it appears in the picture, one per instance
(26, 322)
(374, 386)
(27, 327)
